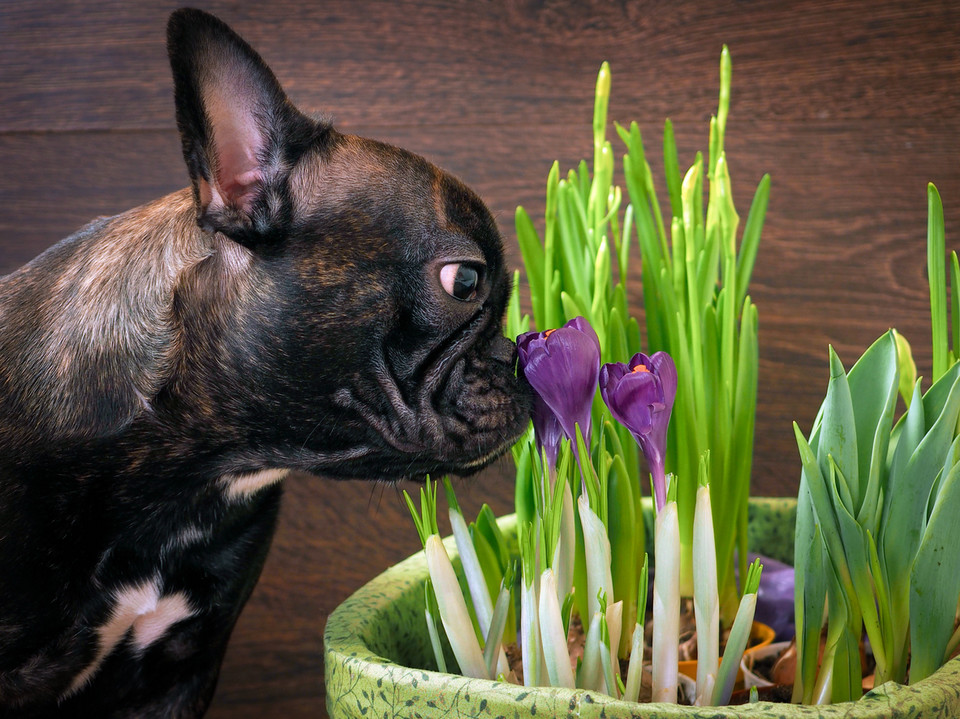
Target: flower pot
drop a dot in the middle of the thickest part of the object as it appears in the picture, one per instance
(375, 637)
(761, 636)
(750, 679)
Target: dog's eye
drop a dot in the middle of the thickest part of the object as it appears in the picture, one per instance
(460, 281)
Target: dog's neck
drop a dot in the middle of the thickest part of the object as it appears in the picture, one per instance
(102, 334)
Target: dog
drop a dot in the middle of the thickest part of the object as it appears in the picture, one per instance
(314, 301)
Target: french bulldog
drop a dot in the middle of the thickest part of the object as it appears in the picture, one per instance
(314, 301)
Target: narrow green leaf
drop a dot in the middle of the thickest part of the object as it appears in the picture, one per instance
(533, 258)
(936, 275)
(671, 169)
(750, 242)
(431, 612)
(955, 303)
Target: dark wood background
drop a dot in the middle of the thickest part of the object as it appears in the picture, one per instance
(851, 106)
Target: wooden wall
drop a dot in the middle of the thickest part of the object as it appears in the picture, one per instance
(851, 106)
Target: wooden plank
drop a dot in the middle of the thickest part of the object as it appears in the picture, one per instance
(98, 66)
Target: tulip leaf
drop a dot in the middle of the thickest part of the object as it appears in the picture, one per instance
(856, 553)
(903, 523)
(908, 368)
(936, 397)
(874, 382)
(906, 436)
(838, 430)
(935, 582)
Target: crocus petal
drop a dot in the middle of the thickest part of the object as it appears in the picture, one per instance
(661, 364)
(562, 366)
(640, 395)
(547, 430)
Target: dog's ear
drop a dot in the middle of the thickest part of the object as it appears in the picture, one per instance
(240, 133)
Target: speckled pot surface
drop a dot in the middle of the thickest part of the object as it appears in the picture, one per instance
(375, 638)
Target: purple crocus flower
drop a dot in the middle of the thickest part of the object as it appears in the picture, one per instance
(562, 366)
(547, 430)
(640, 396)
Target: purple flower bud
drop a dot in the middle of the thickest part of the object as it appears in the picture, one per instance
(562, 366)
(640, 396)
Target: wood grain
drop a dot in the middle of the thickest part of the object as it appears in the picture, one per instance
(851, 107)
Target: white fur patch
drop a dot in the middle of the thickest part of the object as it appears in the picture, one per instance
(241, 486)
(140, 610)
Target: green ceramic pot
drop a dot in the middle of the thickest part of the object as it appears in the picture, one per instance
(375, 640)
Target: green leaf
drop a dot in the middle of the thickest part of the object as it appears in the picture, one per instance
(874, 382)
(838, 428)
(955, 303)
(908, 368)
(910, 489)
(671, 169)
(936, 274)
(488, 527)
(533, 259)
(750, 242)
(935, 582)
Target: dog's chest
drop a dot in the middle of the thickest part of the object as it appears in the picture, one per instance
(166, 588)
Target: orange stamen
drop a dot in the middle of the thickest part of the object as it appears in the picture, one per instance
(548, 333)
(639, 368)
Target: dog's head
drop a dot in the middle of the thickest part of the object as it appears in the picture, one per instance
(380, 335)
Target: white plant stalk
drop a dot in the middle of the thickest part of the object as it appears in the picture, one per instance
(552, 636)
(494, 642)
(706, 601)
(596, 546)
(479, 592)
(739, 634)
(566, 546)
(635, 668)
(530, 636)
(453, 610)
(614, 619)
(591, 670)
(666, 605)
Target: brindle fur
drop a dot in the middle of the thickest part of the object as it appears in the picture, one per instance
(280, 315)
